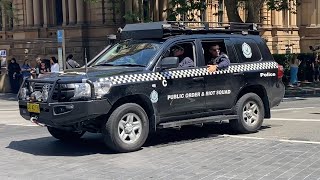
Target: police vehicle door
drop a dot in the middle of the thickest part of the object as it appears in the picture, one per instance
(223, 85)
(180, 92)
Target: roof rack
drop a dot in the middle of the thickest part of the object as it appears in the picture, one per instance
(162, 29)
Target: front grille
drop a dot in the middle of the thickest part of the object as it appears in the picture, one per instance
(61, 93)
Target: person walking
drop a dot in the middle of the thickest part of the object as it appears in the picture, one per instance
(70, 63)
(294, 67)
(14, 72)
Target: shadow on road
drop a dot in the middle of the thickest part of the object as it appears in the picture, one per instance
(8, 97)
(93, 143)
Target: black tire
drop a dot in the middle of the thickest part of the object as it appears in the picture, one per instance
(245, 123)
(117, 135)
(64, 135)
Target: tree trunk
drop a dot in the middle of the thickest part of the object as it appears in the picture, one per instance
(232, 10)
(253, 8)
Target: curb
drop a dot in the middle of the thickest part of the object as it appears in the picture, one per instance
(303, 92)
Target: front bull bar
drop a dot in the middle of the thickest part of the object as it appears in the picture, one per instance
(55, 82)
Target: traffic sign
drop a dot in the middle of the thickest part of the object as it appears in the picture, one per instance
(3, 53)
(60, 36)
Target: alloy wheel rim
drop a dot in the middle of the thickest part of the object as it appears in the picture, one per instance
(251, 113)
(129, 128)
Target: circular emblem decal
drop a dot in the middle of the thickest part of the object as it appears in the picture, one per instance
(246, 50)
(154, 96)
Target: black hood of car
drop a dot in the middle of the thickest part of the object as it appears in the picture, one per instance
(93, 73)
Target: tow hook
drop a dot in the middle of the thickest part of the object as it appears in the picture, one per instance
(34, 119)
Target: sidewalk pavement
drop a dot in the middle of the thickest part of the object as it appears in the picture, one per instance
(304, 90)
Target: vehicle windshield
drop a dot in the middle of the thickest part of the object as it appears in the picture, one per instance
(129, 53)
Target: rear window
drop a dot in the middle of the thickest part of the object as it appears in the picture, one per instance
(247, 50)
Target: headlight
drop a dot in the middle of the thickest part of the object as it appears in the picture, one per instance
(82, 90)
(23, 93)
(102, 88)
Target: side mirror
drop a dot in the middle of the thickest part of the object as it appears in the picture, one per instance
(169, 62)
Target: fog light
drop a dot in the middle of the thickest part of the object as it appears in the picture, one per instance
(62, 109)
(23, 93)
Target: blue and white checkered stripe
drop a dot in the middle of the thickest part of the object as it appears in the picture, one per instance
(185, 73)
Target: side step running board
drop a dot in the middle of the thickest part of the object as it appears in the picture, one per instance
(197, 121)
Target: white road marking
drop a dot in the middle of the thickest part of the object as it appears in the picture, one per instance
(290, 109)
(282, 140)
(287, 119)
(13, 124)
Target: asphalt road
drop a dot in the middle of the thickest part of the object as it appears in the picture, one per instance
(287, 147)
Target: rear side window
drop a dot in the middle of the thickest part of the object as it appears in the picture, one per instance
(247, 50)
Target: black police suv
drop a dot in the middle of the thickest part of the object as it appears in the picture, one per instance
(138, 85)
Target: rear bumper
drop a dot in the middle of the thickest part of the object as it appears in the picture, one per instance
(66, 114)
(277, 94)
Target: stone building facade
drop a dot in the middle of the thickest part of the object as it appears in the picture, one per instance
(33, 29)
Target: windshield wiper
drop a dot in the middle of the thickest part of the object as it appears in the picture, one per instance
(104, 64)
(131, 65)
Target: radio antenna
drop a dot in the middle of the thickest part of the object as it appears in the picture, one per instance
(86, 60)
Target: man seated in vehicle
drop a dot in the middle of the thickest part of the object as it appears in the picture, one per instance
(218, 61)
(185, 62)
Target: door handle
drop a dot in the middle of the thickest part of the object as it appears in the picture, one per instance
(198, 78)
(238, 74)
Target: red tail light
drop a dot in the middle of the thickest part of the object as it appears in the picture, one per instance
(280, 71)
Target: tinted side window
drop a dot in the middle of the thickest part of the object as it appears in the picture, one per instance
(247, 50)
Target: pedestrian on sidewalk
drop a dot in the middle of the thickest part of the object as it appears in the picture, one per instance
(14, 72)
(317, 68)
(55, 68)
(26, 69)
(294, 67)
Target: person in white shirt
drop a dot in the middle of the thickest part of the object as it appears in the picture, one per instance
(70, 63)
(54, 65)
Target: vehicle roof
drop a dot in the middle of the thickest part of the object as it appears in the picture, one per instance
(165, 30)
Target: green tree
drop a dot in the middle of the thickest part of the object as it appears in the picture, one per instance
(253, 8)
(185, 8)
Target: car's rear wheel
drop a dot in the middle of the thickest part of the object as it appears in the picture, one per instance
(65, 135)
(251, 111)
(127, 128)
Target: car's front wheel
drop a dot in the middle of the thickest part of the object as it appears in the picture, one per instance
(65, 135)
(127, 128)
(250, 110)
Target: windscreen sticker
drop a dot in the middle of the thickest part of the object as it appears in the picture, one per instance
(246, 50)
(198, 94)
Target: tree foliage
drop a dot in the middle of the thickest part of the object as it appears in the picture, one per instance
(186, 9)
(253, 8)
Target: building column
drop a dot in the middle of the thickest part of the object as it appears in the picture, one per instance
(266, 15)
(80, 13)
(65, 12)
(293, 17)
(318, 13)
(72, 11)
(29, 9)
(156, 10)
(36, 12)
(3, 19)
(45, 13)
(313, 13)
